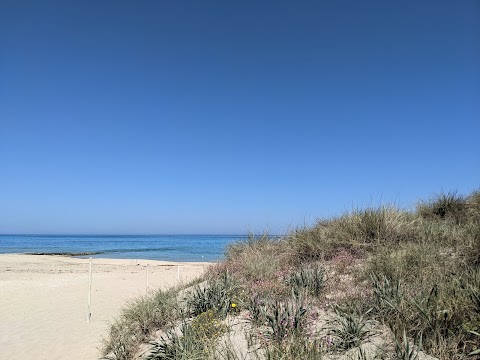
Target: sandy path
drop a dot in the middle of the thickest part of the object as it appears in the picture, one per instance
(43, 301)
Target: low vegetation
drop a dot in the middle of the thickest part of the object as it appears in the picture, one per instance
(376, 283)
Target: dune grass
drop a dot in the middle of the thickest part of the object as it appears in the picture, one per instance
(410, 278)
(138, 321)
(359, 232)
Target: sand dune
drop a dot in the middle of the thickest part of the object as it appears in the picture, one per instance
(43, 301)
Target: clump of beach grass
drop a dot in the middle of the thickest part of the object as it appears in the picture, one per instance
(195, 340)
(138, 321)
(359, 231)
(256, 257)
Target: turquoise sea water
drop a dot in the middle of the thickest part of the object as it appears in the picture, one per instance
(153, 247)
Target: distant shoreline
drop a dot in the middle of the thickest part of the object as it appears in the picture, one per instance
(189, 248)
(68, 254)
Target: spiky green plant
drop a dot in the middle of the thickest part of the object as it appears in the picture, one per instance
(257, 306)
(431, 318)
(285, 318)
(350, 327)
(310, 278)
(405, 349)
(388, 292)
(217, 293)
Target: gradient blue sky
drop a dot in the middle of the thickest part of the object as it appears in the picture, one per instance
(165, 116)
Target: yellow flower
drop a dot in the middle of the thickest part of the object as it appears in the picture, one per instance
(234, 305)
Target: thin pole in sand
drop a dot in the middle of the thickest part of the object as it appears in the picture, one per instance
(89, 292)
(178, 272)
(146, 290)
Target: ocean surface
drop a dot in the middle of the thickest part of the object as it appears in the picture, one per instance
(152, 247)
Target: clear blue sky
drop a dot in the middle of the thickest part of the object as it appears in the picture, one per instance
(162, 116)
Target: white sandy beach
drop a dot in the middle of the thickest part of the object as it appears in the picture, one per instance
(43, 301)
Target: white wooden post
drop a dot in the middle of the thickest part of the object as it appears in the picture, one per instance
(89, 291)
(146, 290)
